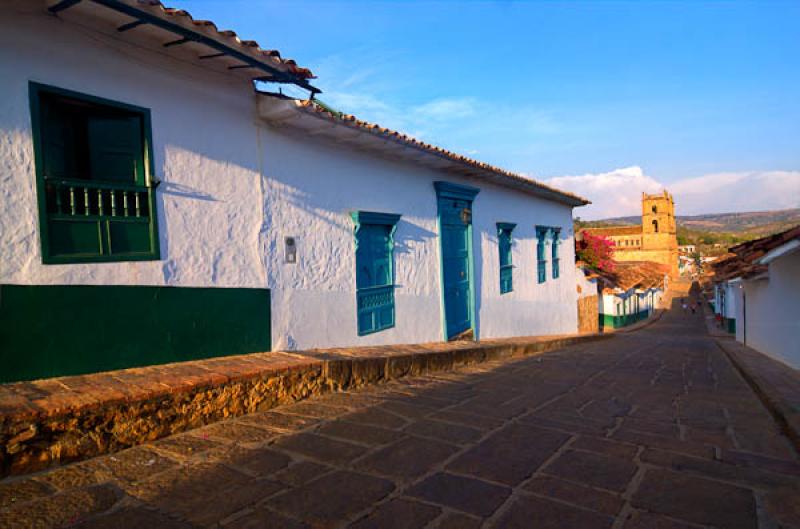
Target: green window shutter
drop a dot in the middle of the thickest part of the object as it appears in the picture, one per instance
(116, 152)
(374, 270)
(555, 244)
(504, 230)
(92, 157)
(541, 261)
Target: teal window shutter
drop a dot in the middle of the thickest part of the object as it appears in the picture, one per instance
(504, 230)
(93, 161)
(555, 244)
(541, 260)
(374, 238)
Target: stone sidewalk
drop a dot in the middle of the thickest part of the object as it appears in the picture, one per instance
(653, 429)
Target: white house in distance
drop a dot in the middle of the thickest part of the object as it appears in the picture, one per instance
(156, 207)
(757, 294)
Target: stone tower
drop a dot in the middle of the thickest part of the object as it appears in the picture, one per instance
(659, 230)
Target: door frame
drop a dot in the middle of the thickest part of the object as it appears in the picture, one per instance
(459, 192)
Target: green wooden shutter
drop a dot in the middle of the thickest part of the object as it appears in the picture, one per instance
(541, 262)
(116, 152)
(506, 267)
(555, 244)
(374, 271)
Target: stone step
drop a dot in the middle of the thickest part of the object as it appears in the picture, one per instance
(45, 423)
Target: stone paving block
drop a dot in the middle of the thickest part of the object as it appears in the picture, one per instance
(75, 475)
(696, 500)
(300, 473)
(320, 448)
(398, 514)
(662, 428)
(750, 476)
(783, 506)
(186, 445)
(332, 498)
(137, 464)
(586, 497)
(315, 409)
(407, 458)
(509, 455)
(376, 417)
(767, 442)
(407, 408)
(263, 518)
(236, 431)
(18, 492)
(461, 493)
(68, 508)
(459, 521)
(359, 433)
(604, 446)
(281, 422)
(665, 443)
(204, 493)
(133, 518)
(256, 462)
(782, 466)
(448, 432)
(530, 511)
(468, 419)
(646, 520)
(598, 470)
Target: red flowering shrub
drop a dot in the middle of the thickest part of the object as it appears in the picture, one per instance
(596, 251)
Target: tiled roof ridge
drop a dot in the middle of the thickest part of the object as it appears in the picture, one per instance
(249, 46)
(309, 105)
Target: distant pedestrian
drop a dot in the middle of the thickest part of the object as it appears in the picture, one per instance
(694, 308)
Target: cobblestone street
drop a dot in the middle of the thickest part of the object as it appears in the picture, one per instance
(651, 429)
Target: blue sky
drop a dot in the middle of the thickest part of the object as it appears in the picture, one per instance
(604, 98)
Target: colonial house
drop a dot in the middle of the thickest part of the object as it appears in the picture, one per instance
(631, 293)
(757, 294)
(162, 202)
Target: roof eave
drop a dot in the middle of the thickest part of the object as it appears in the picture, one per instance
(305, 116)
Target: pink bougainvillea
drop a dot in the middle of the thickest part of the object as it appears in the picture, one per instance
(596, 251)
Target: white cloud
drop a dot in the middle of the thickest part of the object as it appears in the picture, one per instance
(618, 192)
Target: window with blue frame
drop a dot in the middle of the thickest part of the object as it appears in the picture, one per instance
(504, 230)
(554, 248)
(374, 235)
(541, 259)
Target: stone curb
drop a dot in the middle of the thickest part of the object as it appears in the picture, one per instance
(75, 424)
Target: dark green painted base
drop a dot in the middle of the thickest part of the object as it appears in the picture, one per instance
(610, 320)
(731, 323)
(48, 331)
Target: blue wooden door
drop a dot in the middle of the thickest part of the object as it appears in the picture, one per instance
(455, 218)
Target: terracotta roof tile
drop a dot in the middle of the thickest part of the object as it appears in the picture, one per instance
(742, 259)
(310, 106)
(251, 47)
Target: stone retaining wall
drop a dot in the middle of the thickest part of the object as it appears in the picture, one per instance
(51, 422)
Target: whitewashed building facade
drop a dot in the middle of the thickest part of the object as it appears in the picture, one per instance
(156, 208)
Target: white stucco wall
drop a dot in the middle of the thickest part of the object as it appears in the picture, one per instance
(209, 204)
(313, 185)
(773, 311)
(233, 188)
(730, 300)
(587, 287)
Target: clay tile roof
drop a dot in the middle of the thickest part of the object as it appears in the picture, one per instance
(320, 110)
(741, 261)
(615, 230)
(634, 274)
(208, 29)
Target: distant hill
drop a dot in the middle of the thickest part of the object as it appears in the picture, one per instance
(752, 224)
(713, 233)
